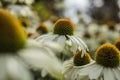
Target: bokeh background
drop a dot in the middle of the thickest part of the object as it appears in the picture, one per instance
(97, 21)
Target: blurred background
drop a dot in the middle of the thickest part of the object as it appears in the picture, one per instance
(96, 21)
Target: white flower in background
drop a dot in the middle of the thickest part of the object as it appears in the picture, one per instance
(118, 27)
(107, 65)
(92, 43)
(28, 2)
(113, 35)
(18, 55)
(25, 12)
(93, 28)
(63, 35)
(72, 67)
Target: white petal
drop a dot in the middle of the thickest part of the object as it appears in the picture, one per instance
(46, 38)
(68, 65)
(116, 73)
(43, 73)
(78, 44)
(2, 67)
(16, 70)
(93, 70)
(108, 74)
(61, 40)
(53, 46)
(41, 60)
(74, 44)
(42, 37)
(72, 72)
(82, 45)
(82, 77)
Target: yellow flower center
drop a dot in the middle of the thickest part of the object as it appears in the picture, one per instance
(12, 35)
(108, 55)
(42, 29)
(64, 27)
(79, 61)
(117, 44)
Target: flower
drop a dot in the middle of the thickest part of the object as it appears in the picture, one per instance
(23, 11)
(12, 36)
(63, 35)
(108, 56)
(79, 61)
(72, 66)
(106, 65)
(42, 29)
(18, 53)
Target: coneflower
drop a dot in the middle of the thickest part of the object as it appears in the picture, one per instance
(72, 67)
(106, 66)
(63, 31)
(17, 53)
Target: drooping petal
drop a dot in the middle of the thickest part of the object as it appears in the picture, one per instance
(16, 69)
(108, 74)
(116, 72)
(74, 46)
(82, 45)
(2, 67)
(46, 38)
(72, 72)
(78, 44)
(55, 47)
(93, 70)
(41, 60)
(68, 65)
(61, 40)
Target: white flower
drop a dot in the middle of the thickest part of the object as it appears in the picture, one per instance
(13, 66)
(63, 35)
(72, 67)
(106, 66)
(98, 72)
(42, 58)
(16, 65)
(18, 54)
(71, 72)
(70, 43)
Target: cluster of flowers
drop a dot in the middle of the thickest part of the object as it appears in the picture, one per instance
(105, 66)
(24, 58)
(95, 34)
